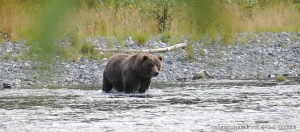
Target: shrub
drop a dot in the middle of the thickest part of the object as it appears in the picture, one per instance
(190, 52)
(281, 78)
(16, 58)
(87, 48)
(201, 52)
(141, 39)
(6, 56)
(74, 38)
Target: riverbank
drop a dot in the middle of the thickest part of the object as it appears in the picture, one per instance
(262, 55)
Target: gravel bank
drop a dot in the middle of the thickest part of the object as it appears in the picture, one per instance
(261, 56)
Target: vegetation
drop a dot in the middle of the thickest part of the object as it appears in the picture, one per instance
(202, 77)
(281, 78)
(16, 58)
(6, 56)
(190, 52)
(49, 20)
(141, 39)
(165, 37)
(89, 50)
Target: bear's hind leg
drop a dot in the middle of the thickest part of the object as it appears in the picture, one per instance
(107, 86)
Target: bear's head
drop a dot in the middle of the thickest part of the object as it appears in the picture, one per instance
(151, 65)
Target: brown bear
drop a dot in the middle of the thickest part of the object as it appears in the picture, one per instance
(130, 73)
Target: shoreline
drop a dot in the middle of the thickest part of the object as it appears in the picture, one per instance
(265, 55)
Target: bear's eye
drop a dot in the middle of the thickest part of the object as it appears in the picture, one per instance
(151, 65)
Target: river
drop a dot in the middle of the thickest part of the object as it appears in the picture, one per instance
(205, 105)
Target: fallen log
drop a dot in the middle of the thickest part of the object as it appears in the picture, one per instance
(177, 46)
(201, 74)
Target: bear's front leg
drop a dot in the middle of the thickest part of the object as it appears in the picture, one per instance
(145, 85)
(131, 84)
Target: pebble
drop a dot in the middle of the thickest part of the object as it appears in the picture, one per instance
(269, 57)
(6, 85)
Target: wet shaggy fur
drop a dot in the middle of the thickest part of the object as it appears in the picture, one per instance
(130, 73)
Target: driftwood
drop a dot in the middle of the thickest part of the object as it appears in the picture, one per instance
(199, 75)
(177, 46)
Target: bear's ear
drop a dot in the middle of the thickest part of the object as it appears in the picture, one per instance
(145, 57)
(160, 58)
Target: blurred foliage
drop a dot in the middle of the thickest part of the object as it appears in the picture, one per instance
(50, 19)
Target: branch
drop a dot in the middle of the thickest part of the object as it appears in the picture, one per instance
(177, 46)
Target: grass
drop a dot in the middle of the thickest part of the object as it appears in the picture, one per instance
(124, 18)
(25, 56)
(190, 52)
(1, 40)
(281, 78)
(74, 39)
(141, 39)
(105, 55)
(89, 50)
(6, 56)
(243, 41)
(201, 52)
(111, 42)
(16, 58)
(165, 37)
(49, 20)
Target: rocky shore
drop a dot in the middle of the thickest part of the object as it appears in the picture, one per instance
(263, 55)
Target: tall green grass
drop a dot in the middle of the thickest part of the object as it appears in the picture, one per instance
(21, 19)
(44, 21)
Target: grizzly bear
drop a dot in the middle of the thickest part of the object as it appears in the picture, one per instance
(130, 73)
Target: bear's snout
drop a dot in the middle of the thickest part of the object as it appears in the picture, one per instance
(155, 74)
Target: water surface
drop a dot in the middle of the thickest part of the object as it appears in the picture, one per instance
(207, 105)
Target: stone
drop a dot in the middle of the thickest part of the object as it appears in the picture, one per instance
(6, 85)
(169, 62)
(27, 66)
(271, 75)
(80, 76)
(82, 66)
